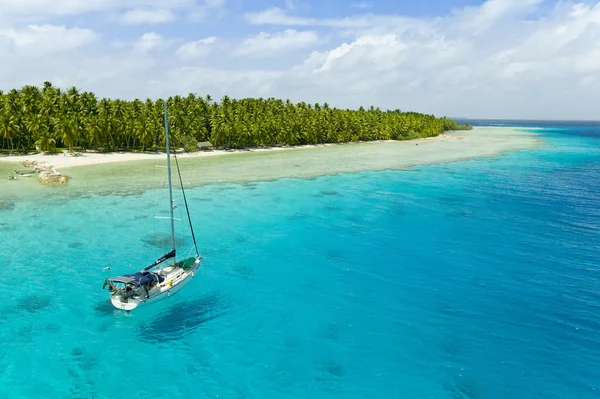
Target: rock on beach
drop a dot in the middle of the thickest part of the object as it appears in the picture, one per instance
(47, 174)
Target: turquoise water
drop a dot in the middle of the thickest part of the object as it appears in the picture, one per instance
(476, 279)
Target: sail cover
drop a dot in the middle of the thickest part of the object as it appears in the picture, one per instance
(160, 260)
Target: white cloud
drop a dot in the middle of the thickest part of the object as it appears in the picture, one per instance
(269, 45)
(204, 10)
(236, 82)
(381, 51)
(151, 9)
(149, 42)
(475, 61)
(277, 16)
(144, 45)
(196, 49)
(494, 11)
(362, 4)
(214, 3)
(41, 8)
(506, 58)
(47, 39)
(589, 63)
(141, 16)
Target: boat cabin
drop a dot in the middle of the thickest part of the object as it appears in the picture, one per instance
(138, 284)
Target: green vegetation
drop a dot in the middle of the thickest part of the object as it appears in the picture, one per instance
(466, 126)
(48, 119)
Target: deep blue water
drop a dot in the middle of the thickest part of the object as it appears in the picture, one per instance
(475, 279)
(575, 127)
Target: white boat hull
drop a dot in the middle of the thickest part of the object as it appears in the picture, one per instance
(172, 284)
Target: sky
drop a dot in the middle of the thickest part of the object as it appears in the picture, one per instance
(513, 59)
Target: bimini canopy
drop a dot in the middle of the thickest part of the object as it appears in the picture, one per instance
(138, 279)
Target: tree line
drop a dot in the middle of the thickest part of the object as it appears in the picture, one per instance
(49, 119)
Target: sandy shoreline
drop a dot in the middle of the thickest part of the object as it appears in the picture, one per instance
(61, 161)
(123, 173)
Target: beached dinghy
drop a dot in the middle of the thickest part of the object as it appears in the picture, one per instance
(166, 275)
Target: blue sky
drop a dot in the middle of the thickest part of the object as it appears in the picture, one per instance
(489, 59)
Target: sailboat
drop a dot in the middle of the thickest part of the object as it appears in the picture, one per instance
(165, 276)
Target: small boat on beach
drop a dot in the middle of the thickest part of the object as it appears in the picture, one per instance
(25, 172)
(165, 276)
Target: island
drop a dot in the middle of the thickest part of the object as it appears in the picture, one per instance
(58, 134)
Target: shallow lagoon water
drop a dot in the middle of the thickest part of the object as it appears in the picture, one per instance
(148, 171)
(474, 279)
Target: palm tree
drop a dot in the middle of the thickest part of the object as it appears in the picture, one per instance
(46, 142)
(8, 129)
(48, 116)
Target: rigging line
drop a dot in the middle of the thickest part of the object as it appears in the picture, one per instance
(185, 201)
(153, 201)
(169, 174)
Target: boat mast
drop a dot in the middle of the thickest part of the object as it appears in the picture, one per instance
(169, 172)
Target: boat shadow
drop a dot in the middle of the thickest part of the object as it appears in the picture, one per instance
(183, 318)
(104, 308)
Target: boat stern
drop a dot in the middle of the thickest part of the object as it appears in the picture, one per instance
(129, 305)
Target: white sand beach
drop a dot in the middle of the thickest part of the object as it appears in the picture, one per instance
(64, 160)
(105, 172)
